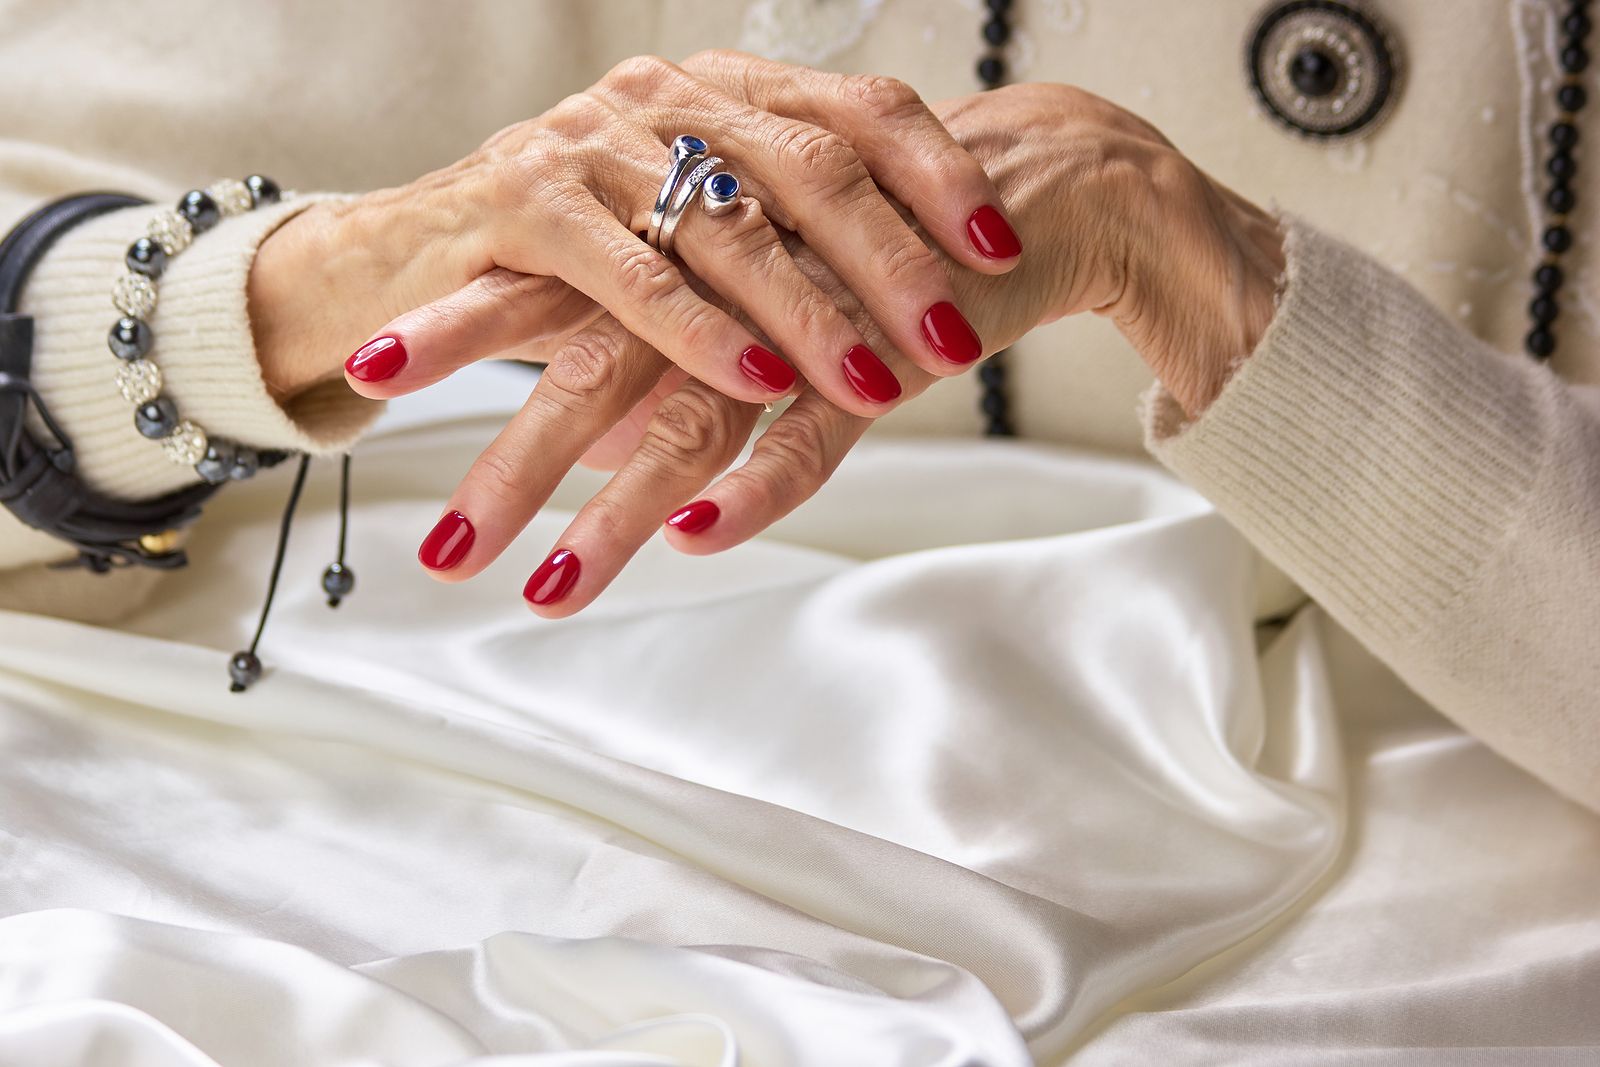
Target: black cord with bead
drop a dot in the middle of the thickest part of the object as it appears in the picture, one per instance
(995, 403)
(1562, 167)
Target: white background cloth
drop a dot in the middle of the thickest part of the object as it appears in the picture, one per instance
(977, 759)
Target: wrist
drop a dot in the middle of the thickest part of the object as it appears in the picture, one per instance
(296, 303)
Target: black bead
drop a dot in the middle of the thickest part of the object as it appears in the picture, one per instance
(216, 463)
(1561, 199)
(1540, 342)
(999, 7)
(246, 461)
(1544, 309)
(999, 428)
(1576, 26)
(1574, 59)
(992, 374)
(1557, 239)
(337, 581)
(263, 190)
(1571, 98)
(996, 32)
(244, 669)
(1314, 72)
(157, 418)
(1548, 278)
(1562, 166)
(147, 258)
(994, 404)
(201, 211)
(991, 70)
(130, 338)
(1564, 135)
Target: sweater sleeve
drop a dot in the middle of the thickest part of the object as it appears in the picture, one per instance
(1439, 498)
(203, 347)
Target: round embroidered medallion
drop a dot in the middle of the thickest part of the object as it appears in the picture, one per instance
(1323, 68)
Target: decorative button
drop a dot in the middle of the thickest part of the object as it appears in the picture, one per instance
(1323, 68)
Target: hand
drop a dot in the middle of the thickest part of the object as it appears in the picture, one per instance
(1116, 221)
(564, 195)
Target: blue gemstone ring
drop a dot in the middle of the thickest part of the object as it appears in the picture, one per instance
(720, 193)
(687, 151)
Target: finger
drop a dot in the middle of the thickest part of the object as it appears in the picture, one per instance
(692, 436)
(789, 462)
(619, 442)
(741, 252)
(907, 149)
(649, 295)
(591, 383)
(496, 312)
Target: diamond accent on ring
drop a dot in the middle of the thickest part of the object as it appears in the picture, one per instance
(699, 173)
(186, 445)
(134, 294)
(139, 381)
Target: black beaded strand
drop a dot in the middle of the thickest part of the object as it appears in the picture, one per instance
(1562, 167)
(995, 402)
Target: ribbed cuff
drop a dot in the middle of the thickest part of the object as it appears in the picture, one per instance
(203, 345)
(1370, 447)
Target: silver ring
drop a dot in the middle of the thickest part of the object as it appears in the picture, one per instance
(687, 150)
(720, 193)
(680, 201)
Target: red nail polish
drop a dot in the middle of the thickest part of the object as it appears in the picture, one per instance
(950, 334)
(554, 579)
(695, 517)
(869, 377)
(377, 360)
(992, 235)
(766, 369)
(447, 543)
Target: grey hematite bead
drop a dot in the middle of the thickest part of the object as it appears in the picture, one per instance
(216, 465)
(245, 463)
(147, 257)
(201, 211)
(157, 418)
(130, 338)
(244, 669)
(263, 190)
(337, 581)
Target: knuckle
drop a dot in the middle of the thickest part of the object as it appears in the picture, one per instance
(583, 370)
(749, 234)
(820, 160)
(904, 263)
(639, 74)
(793, 454)
(687, 428)
(813, 314)
(646, 273)
(497, 476)
(885, 97)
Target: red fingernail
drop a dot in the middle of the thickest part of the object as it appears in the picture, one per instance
(766, 369)
(992, 235)
(377, 360)
(869, 377)
(447, 543)
(696, 517)
(950, 334)
(554, 579)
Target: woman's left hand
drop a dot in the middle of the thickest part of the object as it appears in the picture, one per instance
(1116, 220)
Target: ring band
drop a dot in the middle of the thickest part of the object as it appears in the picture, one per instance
(720, 193)
(687, 150)
(680, 201)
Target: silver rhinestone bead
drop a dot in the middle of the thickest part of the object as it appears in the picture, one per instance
(171, 231)
(186, 445)
(139, 381)
(134, 294)
(232, 197)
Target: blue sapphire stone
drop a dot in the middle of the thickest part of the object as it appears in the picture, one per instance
(724, 186)
(693, 144)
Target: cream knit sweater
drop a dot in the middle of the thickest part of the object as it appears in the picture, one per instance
(1438, 496)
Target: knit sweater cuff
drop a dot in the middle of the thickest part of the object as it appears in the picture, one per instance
(203, 346)
(1370, 447)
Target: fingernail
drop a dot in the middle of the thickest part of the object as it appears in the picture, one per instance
(992, 235)
(869, 377)
(447, 543)
(554, 579)
(696, 517)
(377, 360)
(766, 369)
(950, 334)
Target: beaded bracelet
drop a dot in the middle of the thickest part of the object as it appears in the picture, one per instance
(215, 459)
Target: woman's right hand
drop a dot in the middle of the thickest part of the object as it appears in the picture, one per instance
(565, 195)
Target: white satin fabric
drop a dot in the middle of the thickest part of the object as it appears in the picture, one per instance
(979, 758)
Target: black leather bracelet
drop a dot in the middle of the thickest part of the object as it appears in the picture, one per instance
(37, 481)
